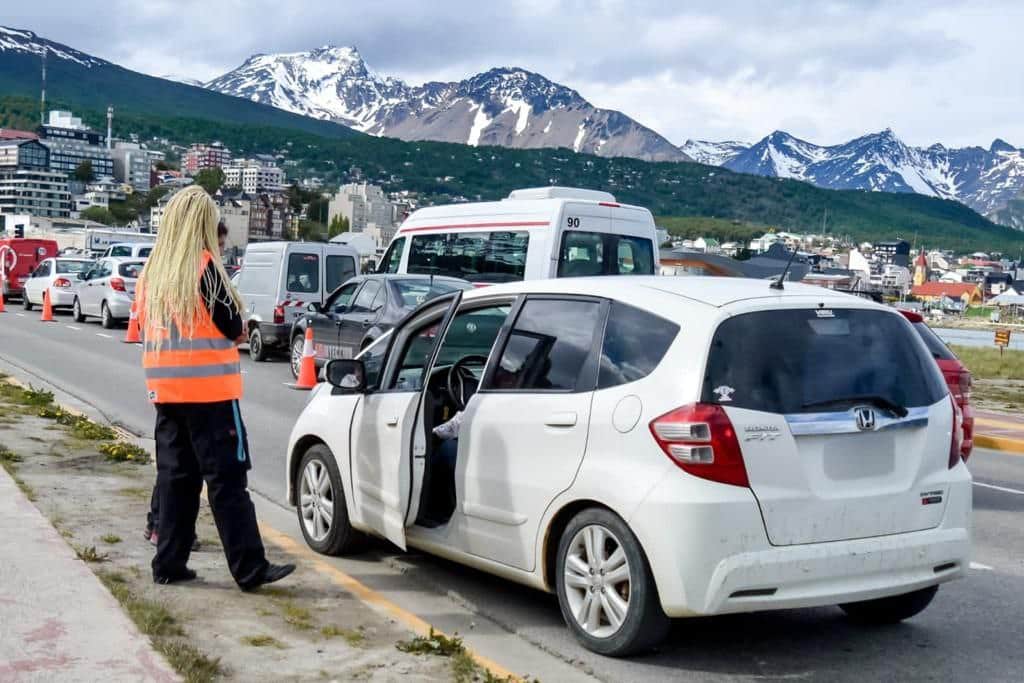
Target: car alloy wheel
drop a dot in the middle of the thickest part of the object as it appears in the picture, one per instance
(597, 584)
(25, 303)
(106, 319)
(256, 346)
(316, 500)
(298, 346)
(76, 311)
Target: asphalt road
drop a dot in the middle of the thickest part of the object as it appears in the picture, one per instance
(972, 630)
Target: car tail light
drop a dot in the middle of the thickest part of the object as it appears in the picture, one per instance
(957, 438)
(964, 381)
(700, 440)
(117, 284)
(278, 315)
(62, 282)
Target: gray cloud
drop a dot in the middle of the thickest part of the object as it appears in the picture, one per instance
(705, 68)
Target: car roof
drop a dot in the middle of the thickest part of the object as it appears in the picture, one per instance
(712, 291)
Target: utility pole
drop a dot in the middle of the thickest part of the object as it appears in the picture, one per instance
(42, 95)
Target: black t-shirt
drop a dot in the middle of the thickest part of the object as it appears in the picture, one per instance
(225, 317)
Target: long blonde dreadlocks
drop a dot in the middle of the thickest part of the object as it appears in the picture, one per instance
(171, 293)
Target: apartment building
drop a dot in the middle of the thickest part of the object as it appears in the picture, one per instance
(27, 185)
(364, 205)
(132, 164)
(254, 175)
(71, 142)
(202, 156)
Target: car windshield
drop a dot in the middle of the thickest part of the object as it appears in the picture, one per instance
(130, 269)
(66, 267)
(818, 360)
(412, 293)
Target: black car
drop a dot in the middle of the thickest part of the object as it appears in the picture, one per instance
(362, 309)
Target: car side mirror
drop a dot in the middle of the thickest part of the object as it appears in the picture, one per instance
(313, 307)
(347, 375)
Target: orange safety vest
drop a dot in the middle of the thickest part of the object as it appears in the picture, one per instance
(202, 368)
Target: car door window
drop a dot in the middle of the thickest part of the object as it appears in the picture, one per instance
(550, 346)
(43, 270)
(393, 259)
(339, 301)
(103, 270)
(373, 361)
(471, 333)
(635, 341)
(364, 301)
(339, 269)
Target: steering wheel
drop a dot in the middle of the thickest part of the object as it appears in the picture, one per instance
(462, 383)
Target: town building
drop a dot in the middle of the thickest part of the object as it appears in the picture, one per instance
(234, 212)
(72, 143)
(132, 164)
(896, 252)
(27, 185)
(921, 269)
(964, 293)
(202, 156)
(270, 217)
(364, 205)
(254, 175)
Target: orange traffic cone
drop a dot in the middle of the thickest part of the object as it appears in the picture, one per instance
(307, 369)
(132, 336)
(2, 298)
(47, 308)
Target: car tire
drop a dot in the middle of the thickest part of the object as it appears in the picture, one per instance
(76, 312)
(25, 303)
(642, 622)
(890, 610)
(336, 537)
(297, 347)
(257, 351)
(106, 319)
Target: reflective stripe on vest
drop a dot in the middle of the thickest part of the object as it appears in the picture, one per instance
(201, 367)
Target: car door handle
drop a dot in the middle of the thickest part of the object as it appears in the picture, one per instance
(392, 421)
(561, 420)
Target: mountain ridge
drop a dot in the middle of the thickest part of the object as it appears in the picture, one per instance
(505, 106)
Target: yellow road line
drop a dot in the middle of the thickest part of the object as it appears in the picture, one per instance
(999, 443)
(372, 598)
(998, 423)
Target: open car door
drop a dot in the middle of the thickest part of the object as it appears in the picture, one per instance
(382, 432)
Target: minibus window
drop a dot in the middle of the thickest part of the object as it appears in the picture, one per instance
(584, 253)
(473, 256)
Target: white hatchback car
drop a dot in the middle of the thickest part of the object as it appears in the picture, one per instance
(649, 448)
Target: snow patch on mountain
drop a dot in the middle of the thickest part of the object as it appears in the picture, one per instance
(15, 40)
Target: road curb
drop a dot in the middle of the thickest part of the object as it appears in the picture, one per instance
(1000, 443)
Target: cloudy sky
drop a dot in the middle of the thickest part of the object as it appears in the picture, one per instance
(933, 70)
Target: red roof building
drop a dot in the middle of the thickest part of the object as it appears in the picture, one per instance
(11, 134)
(967, 292)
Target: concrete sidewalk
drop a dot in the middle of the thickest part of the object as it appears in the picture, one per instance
(57, 621)
(1001, 431)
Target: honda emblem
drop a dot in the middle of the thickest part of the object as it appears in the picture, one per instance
(865, 418)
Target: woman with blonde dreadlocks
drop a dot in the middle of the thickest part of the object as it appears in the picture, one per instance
(190, 315)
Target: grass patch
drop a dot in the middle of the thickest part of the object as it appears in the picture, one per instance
(193, 665)
(122, 451)
(29, 397)
(135, 492)
(987, 363)
(297, 617)
(9, 457)
(81, 427)
(110, 538)
(352, 637)
(263, 641)
(151, 617)
(90, 554)
(464, 667)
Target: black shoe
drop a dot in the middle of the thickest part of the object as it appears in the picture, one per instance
(273, 572)
(186, 575)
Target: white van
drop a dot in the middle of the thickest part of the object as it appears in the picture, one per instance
(534, 234)
(129, 250)
(279, 280)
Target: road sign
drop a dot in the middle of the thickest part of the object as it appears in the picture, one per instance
(1002, 339)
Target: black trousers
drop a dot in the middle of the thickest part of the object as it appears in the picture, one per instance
(197, 442)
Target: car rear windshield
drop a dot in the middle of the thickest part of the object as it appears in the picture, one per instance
(65, 267)
(339, 270)
(938, 348)
(130, 269)
(819, 360)
(303, 273)
(473, 256)
(412, 293)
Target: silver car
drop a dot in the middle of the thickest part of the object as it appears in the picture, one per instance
(106, 291)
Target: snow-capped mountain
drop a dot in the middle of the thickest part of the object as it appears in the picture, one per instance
(510, 107)
(26, 42)
(984, 179)
(713, 153)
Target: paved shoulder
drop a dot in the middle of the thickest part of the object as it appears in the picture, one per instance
(57, 620)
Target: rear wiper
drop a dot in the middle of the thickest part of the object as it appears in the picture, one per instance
(879, 401)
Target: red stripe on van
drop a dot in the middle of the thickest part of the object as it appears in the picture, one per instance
(612, 204)
(457, 226)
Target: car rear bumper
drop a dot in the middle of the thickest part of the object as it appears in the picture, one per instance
(275, 335)
(62, 297)
(714, 557)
